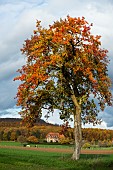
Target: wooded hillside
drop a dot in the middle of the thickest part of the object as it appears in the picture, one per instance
(11, 129)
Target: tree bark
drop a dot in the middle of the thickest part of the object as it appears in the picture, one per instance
(77, 130)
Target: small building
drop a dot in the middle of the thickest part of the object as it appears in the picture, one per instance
(53, 137)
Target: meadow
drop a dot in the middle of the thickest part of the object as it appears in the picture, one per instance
(16, 159)
(51, 145)
(46, 145)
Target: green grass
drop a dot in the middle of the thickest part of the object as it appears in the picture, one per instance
(15, 159)
(55, 146)
(46, 145)
(10, 143)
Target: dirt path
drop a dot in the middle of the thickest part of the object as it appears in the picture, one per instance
(86, 151)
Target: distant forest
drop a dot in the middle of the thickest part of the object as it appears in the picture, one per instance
(11, 129)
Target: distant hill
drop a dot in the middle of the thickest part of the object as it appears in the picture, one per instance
(17, 122)
(10, 119)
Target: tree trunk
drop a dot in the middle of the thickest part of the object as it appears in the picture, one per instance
(77, 130)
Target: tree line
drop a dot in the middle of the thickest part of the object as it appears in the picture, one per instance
(91, 135)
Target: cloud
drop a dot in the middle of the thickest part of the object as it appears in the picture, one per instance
(10, 113)
(107, 116)
(54, 117)
(103, 125)
(18, 19)
(7, 93)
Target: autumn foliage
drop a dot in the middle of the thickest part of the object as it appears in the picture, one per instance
(32, 139)
(65, 68)
(66, 51)
(94, 136)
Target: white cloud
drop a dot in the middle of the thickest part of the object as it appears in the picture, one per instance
(10, 113)
(54, 118)
(18, 19)
(103, 125)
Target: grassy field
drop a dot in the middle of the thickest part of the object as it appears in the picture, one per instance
(15, 159)
(10, 143)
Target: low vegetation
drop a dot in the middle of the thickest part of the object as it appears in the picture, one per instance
(15, 159)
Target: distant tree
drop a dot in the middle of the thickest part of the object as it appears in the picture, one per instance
(22, 139)
(18, 133)
(8, 135)
(65, 68)
(24, 131)
(13, 136)
(1, 134)
(5, 136)
(36, 133)
(63, 140)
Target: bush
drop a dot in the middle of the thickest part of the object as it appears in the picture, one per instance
(105, 143)
(86, 145)
(64, 140)
(110, 144)
(32, 139)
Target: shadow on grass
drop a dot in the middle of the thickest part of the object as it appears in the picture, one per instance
(90, 162)
(94, 156)
(37, 160)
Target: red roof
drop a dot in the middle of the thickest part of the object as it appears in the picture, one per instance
(52, 134)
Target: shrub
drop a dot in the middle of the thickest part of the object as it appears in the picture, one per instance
(64, 140)
(86, 145)
(105, 143)
(32, 139)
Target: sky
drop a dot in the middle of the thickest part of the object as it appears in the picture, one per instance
(17, 22)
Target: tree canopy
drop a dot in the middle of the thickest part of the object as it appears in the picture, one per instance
(62, 60)
(66, 69)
